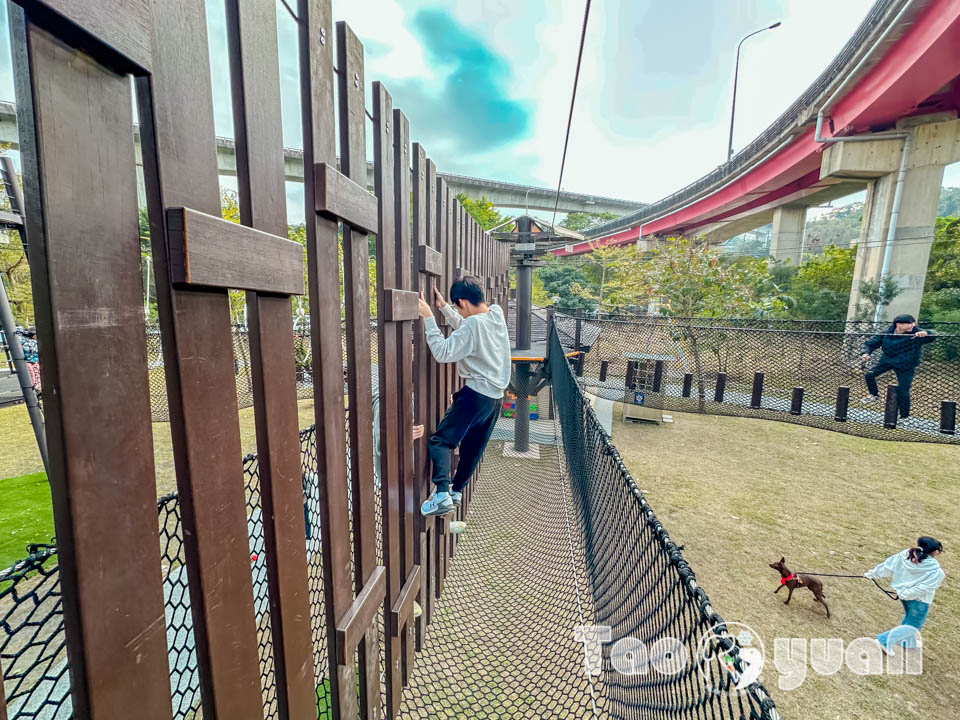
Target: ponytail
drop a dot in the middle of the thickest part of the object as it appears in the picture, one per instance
(925, 546)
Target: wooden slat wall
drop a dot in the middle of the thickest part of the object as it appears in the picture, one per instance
(115, 623)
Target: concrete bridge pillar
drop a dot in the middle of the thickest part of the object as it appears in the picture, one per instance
(935, 144)
(787, 238)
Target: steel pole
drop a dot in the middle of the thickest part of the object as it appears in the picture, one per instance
(23, 375)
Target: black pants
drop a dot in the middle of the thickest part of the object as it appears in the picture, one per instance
(468, 423)
(904, 381)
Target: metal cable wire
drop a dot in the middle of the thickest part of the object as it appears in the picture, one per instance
(573, 99)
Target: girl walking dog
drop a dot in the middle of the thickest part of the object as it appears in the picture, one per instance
(915, 576)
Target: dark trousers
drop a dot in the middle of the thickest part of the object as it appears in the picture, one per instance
(904, 380)
(468, 423)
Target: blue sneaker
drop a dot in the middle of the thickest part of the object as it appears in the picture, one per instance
(457, 498)
(439, 503)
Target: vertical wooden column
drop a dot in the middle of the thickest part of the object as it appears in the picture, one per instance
(323, 274)
(87, 286)
(410, 506)
(441, 244)
(352, 123)
(255, 73)
(180, 170)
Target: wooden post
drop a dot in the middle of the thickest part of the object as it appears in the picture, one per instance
(687, 384)
(369, 579)
(255, 73)
(75, 115)
(796, 401)
(948, 417)
(843, 402)
(756, 399)
(631, 369)
(603, 369)
(721, 387)
(657, 375)
(890, 409)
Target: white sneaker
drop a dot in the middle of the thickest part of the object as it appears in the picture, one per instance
(457, 498)
(870, 399)
(439, 503)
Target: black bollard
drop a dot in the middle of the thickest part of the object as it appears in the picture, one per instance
(657, 375)
(948, 417)
(757, 397)
(630, 373)
(796, 401)
(580, 364)
(603, 370)
(687, 384)
(890, 408)
(721, 387)
(843, 402)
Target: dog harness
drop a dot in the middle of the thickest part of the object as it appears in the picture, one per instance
(791, 576)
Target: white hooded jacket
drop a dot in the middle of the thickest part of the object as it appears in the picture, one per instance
(911, 581)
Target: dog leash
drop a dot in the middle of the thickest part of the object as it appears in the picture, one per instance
(889, 593)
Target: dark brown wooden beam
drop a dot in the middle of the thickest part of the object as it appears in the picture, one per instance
(429, 261)
(255, 75)
(323, 266)
(340, 198)
(359, 619)
(213, 252)
(88, 290)
(400, 305)
(401, 613)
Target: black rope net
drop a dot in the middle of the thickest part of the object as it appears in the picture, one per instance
(555, 542)
(811, 373)
(667, 652)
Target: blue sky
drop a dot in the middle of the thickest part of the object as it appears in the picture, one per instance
(486, 83)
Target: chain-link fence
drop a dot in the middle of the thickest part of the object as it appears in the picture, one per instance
(242, 368)
(778, 371)
(666, 653)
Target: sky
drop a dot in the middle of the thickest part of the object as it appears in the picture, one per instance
(486, 84)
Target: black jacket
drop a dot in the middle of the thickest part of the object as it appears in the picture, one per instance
(900, 351)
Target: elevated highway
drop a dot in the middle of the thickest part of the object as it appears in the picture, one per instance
(897, 77)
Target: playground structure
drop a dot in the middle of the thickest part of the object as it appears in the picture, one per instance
(808, 373)
(284, 585)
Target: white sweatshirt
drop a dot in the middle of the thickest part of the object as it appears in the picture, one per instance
(480, 345)
(912, 581)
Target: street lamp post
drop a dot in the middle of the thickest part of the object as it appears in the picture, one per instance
(736, 72)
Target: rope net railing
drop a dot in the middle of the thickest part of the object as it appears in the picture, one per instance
(775, 370)
(665, 652)
(32, 642)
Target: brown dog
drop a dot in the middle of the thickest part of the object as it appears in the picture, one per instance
(794, 581)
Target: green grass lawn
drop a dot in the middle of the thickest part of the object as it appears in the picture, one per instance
(26, 515)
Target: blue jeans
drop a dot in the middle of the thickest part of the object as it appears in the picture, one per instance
(905, 634)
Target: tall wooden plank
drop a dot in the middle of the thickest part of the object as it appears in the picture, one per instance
(421, 376)
(410, 507)
(180, 170)
(88, 292)
(391, 433)
(356, 295)
(255, 74)
(319, 146)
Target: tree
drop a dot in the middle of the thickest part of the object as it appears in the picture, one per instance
(481, 210)
(580, 221)
(689, 280)
(949, 205)
(612, 270)
(562, 279)
(820, 288)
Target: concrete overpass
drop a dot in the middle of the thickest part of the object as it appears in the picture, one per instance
(501, 194)
(887, 106)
